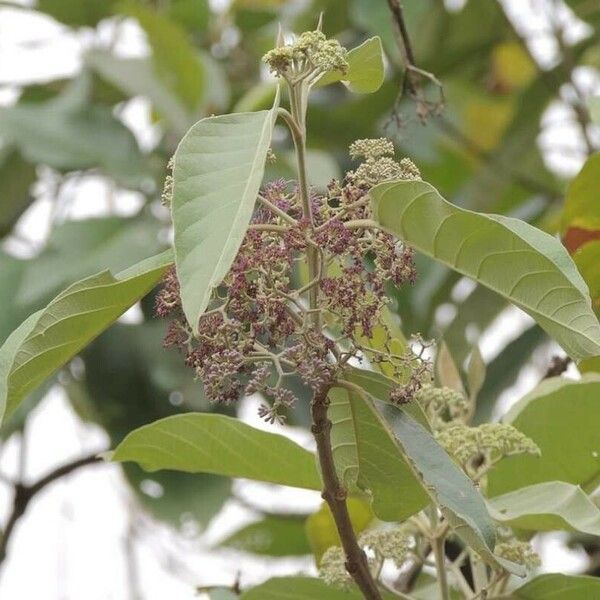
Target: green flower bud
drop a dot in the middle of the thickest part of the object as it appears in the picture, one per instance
(333, 568)
(518, 552)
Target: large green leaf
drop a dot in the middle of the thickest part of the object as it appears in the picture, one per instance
(555, 586)
(77, 249)
(208, 443)
(272, 536)
(301, 588)
(130, 381)
(582, 203)
(365, 68)
(49, 338)
(554, 505)
(68, 132)
(561, 416)
(404, 468)
(137, 77)
(524, 265)
(218, 170)
(175, 59)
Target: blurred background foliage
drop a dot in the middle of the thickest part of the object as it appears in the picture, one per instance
(516, 126)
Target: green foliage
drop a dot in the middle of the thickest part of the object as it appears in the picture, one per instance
(218, 170)
(175, 59)
(365, 68)
(560, 417)
(530, 269)
(482, 152)
(553, 505)
(554, 586)
(173, 443)
(582, 202)
(272, 536)
(49, 338)
(68, 132)
(299, 588)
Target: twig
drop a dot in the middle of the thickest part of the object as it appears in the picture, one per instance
(412, 79)
(335, 495)
(23, 494)
(558, 365)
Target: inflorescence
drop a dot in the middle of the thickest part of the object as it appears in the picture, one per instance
(259, 331)
(311, 55)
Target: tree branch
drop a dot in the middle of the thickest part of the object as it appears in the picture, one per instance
(23, 494)
(335, 495)
(413, 76)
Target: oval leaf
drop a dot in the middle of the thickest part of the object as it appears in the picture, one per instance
(301, 588)
(555, 586)
(210, 443)
(218, 169)
(392, 457)
(561, 416)
(365, 68)
(272, 536)
(53, 335)
(521, 263)
(549, 506)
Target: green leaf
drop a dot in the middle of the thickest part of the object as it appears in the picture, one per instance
(16, 177)
(475, 372)
(175, 59)
(504, 369)
(136, 77)
(524, 265)
(76, 249)
(208, 443)
(52, 336)
(446, 370)
(582, 204)
(301, 588)
(271, 536)
(68, 132)
(561, 416)
(218, 170)
(587, 259)
(77, 13)
(594, 108)
(222, 594)
(322, 532)
(127, 361)
(365, 72)
(555, 586)
(392, 457)
(549, 506)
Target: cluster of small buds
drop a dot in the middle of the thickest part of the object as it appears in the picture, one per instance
(486, 444)
(167, 193)
(312, 53)
(378, 164)
(443, 405)
(518, 552)
(414, 369)
(332, 568)
(388, 544)
(257, 331)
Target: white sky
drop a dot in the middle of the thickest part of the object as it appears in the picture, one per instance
(72, 542)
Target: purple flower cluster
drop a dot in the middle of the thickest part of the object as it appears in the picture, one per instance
(259, 328)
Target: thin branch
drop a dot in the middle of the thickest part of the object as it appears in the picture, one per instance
(23, 494)
(335, 495)
(414, 75)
